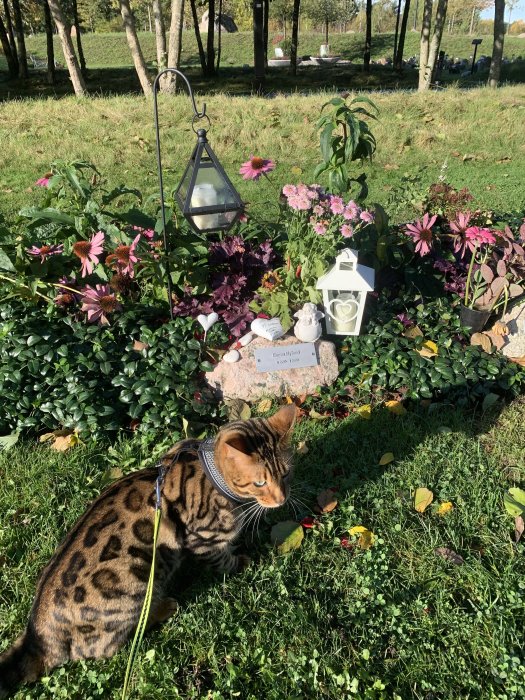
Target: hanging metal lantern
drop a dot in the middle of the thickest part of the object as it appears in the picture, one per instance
(206, 196)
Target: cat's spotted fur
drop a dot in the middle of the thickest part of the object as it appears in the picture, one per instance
(89, 596)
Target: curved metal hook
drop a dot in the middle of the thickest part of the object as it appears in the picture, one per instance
(196, 112)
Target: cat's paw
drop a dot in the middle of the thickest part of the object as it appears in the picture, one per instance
(243, 562)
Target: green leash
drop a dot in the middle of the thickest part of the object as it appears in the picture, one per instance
(144, 614)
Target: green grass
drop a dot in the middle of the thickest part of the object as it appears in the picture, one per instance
(479, 133)
(323, 622)
(110, 68)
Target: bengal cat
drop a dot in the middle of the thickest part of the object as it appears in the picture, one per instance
(89, 596)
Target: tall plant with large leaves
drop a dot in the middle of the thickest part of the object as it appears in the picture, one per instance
(345, 137)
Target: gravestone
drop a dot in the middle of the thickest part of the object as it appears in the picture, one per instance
(241, 380)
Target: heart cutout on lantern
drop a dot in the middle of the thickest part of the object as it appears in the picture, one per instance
(269, 328)
(208, 321)
(344, 311)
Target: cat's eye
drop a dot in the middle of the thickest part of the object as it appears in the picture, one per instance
(259, 483)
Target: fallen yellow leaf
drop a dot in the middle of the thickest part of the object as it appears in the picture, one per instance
(413, 332)
(302, 448)
(264, 406)
(396, 407)
(422, 499)
(428, 349)
(386, 459)
(444, 508)
(366, 537)
(365, 411)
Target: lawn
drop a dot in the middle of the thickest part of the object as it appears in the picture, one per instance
(478, 134)
(395, 621)
(110, 68)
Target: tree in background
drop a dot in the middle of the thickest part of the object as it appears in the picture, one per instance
(134, 45)
(20, 41)
(497, 47)
(368, 37)
(295, 35)
(326, 12)
(282, 11)
(510, 5)
(10, 55)
(398, 55)
(64, 32)
(175, 41)
(49, 44)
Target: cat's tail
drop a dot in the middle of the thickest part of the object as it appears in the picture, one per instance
(21, 663)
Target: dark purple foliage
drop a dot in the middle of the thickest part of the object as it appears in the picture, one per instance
(454, 275)
(236, 269)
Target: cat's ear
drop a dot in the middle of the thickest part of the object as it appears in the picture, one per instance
(283, 421)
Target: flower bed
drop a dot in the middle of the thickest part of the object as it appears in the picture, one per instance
(86, 338)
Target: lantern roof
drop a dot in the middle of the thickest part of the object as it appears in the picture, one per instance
(347, 274)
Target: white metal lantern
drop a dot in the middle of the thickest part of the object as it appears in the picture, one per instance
(345, 287)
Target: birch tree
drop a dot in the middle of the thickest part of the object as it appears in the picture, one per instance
(424, 44)
(439, 25)
(175, 41)
(134, 46)
(20, 40)
(64, 32)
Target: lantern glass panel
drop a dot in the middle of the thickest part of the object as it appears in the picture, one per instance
(343, 309)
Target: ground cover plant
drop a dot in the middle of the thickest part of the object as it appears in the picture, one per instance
(331, 619)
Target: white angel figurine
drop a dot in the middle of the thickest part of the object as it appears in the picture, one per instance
(308, 329)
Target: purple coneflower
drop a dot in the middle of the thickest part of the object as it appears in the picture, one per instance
(98, 302)
(45, 251)
(421, 233)
(88, 252)
(44, 181)
(255, 167)
(124, 258)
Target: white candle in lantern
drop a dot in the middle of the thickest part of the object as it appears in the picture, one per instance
(205, 195)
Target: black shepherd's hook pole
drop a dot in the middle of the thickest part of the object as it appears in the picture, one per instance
(196, 114)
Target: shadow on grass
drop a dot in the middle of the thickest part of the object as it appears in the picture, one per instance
(239, 80)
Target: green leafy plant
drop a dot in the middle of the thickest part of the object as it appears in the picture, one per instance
(345, 137)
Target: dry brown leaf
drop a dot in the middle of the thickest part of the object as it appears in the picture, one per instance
(450, 555)
(63, 443)
(499, 328)
(302, 448)
(483, 340)
(518, 360)
(326, 501)
(413, 332)
(519, 526)
(138, 345)
(428, 349)
(497, 340)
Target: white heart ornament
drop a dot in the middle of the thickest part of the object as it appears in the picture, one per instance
(207, 321)
(343, 311)
(269, 328)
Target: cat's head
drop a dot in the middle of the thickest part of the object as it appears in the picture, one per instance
(254, 457)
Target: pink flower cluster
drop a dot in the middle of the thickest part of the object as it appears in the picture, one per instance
(327, 211)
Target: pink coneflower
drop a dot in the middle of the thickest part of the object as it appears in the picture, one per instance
(99, 301)
(320, 228)
(88, 252)
(351, 211)
(366, 216)
(421, 232)
(148, 233)
(45, 251)
(255, 167)
(44, 181)
(289, 190)
(347, 231)
(336, 205)
(458, 227)
(124, 258)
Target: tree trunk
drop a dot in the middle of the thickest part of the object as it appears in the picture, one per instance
(368, 37)
(202, 55)
(258, 46)
(175, 41)
(12, 64)
(210, 42)
(396, 33)
(265, 28)
(20, 41)
(497, 47)
(472, 17)
(80, 51)
(219, 39)
(295, 35)
(51, 78)
(160, 36)
(424, 43)
(11, 35)
(70, 57)
(416, 10)
(441, 15)
(133, 42)
(398, 60)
